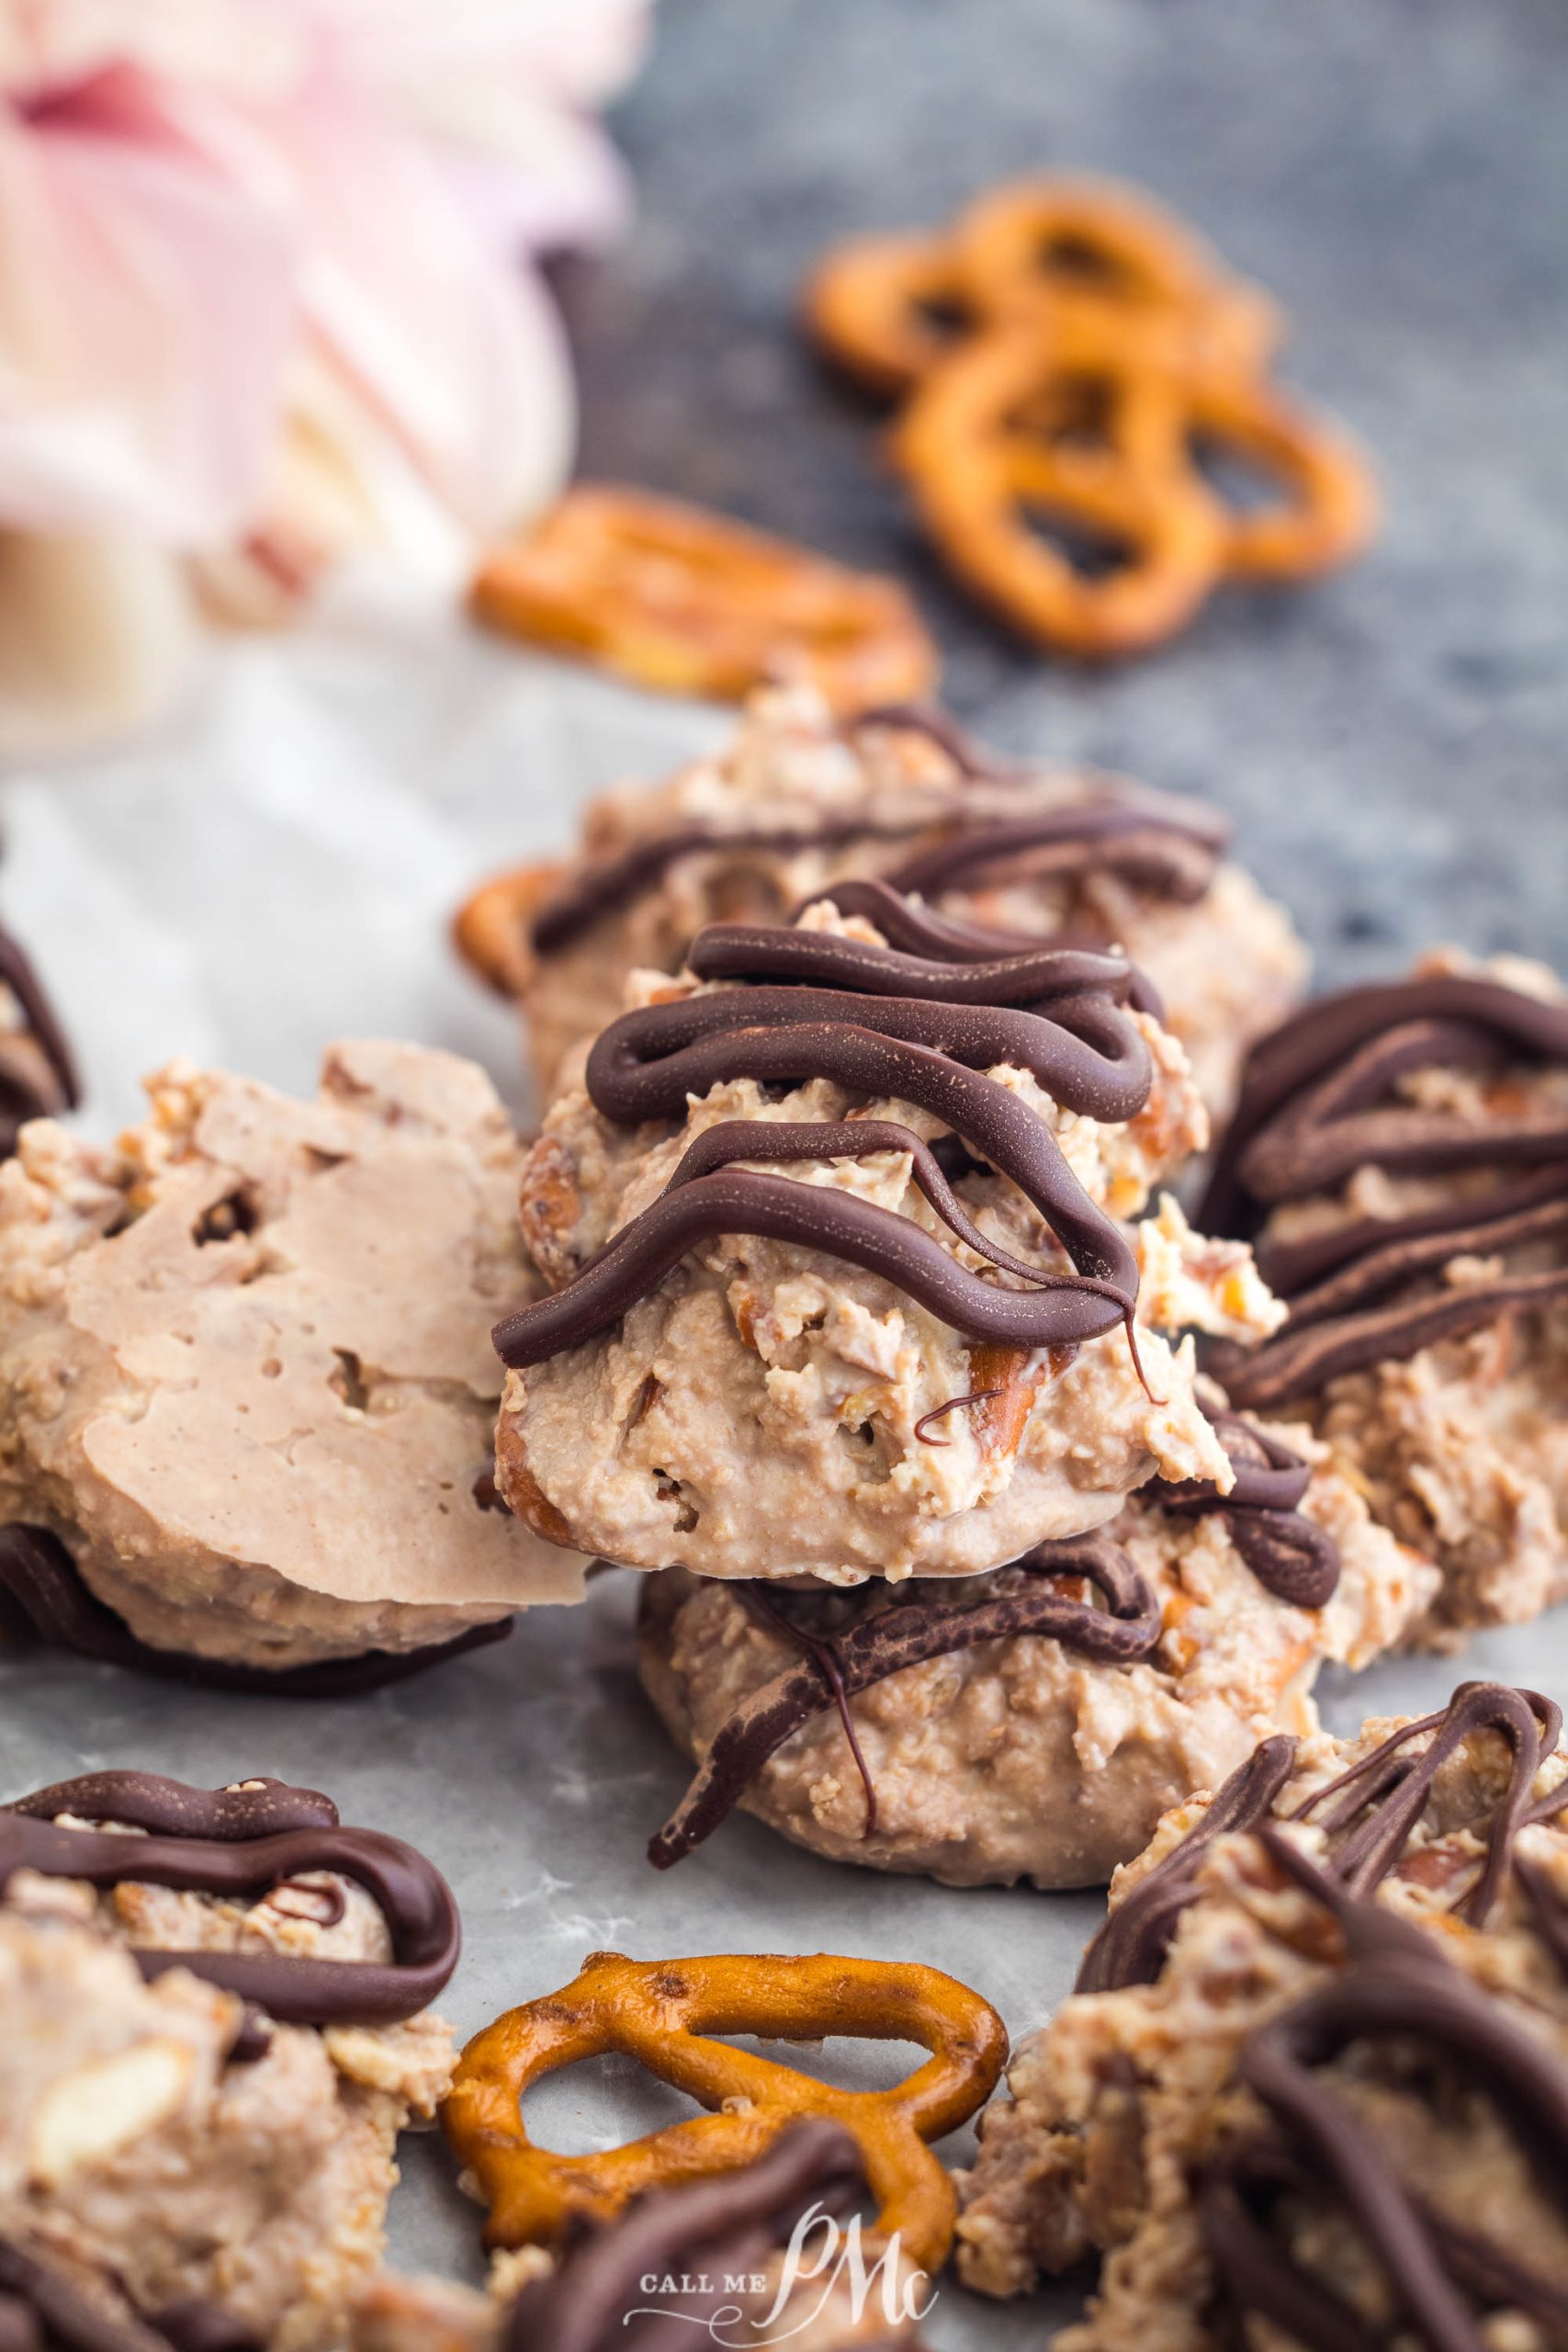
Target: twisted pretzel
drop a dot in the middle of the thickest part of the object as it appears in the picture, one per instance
(692, 602)
(1071, 351)
(662, 2013)
(977, 472)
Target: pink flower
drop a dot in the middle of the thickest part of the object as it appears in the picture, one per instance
(266, 294)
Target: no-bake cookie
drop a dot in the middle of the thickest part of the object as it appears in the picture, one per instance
(1003, 1727)
(1313, 2089)
(215, 2022)
(839, 1284)
(246, 1385)
(798, 801)
(1400, 1159)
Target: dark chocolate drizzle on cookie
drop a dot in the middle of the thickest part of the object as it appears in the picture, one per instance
(37, 1074)
(1440, 2274)
(703, 2230)
(1367, 1812)
(44, 1600)
(245, 1842)
(1397, 1987)
(921, 1028)
(1289, 1553)
(905, 1632)
(1316, 1105)
(1158, 843)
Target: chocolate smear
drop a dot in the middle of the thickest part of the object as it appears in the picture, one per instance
(1367, 1812)
(1157, 842)
(1289, 1553)
(44, 2309)
(1400, 1990)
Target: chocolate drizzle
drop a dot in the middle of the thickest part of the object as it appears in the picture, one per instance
(42, 2308)
(1396, 1989)
(1290, 1556)
(44, 1600)
(37, 1074)
(921, 1028)
(1167, 849)
(704, 2230)
(245, 1842)
(1130, 1945)
(905, 1632)
(1318, 1104)
(998, 820)
(1399, 1991)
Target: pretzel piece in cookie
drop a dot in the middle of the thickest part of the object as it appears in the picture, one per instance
(663, 2013)
(490, 929)
(692, 603)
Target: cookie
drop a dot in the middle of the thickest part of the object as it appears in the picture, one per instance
(841, 1288)
(216, 2022)
(1400, 1158)
(798, 800)
(1314, 2086)
(246, 1387)
(1002, 1728)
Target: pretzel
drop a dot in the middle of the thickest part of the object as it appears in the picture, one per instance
(877, 306)
(976, 473)
(692, 602)
(661, 2013)
(489, 929)
(1069, 349)
(1329, 509)
(888, 309)
(1097, 245)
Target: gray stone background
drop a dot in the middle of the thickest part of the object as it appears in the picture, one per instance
(1394, 170)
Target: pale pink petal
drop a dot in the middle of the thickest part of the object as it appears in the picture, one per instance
(145, 310)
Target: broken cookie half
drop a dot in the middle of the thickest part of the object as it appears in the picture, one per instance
(247, 1395)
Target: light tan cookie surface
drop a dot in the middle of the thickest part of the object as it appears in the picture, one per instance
(156, 2145)
(763, 1409)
